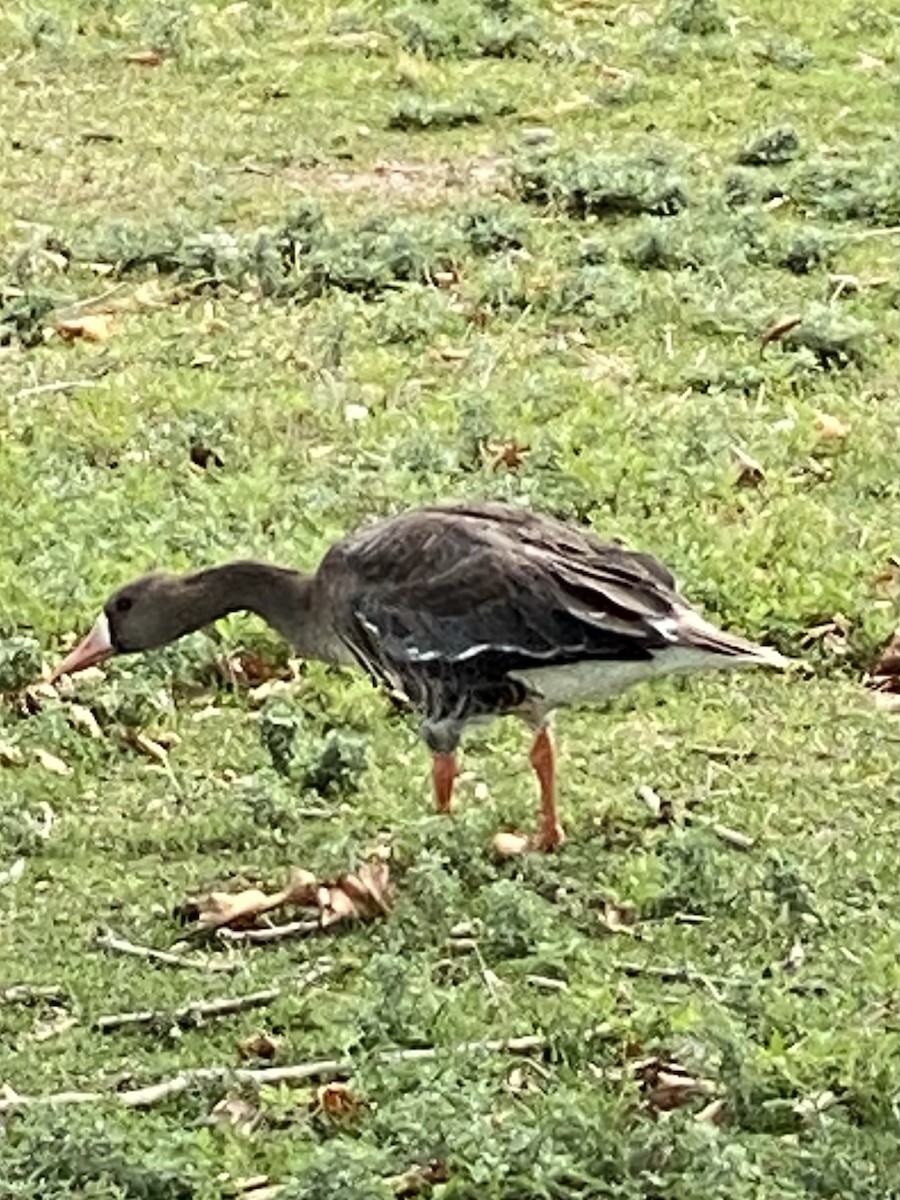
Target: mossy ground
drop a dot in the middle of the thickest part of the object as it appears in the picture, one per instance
(351, 252)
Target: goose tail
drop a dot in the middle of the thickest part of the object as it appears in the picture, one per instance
(691, 631)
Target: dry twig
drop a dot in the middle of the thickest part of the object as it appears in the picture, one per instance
(323, 1069)
(188, 1014)
(108, 940)
(27, 993)
(271, 933)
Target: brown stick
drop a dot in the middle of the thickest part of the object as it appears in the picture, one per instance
(188, 1014)
(108, 940)
(327, 1068)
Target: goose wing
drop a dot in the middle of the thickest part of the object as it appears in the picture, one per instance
(450, 583)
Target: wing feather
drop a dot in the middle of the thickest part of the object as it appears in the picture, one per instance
(450, 583)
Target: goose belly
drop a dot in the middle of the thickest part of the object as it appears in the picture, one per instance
(596, 679)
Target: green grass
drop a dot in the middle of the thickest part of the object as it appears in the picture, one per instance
(345, 249)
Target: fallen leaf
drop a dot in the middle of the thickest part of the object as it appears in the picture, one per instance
(92, 327)
(418, 1178)
(146, 745)
(237, 1113)
(238, 910)
(361, 897)
(144, 58)
(82, 718)
(667, 1085)
(870, 62)
(510, 454)
(831, 428)
(779, 328)
(337, 1101)
(508, 845)
(832, 634)
(51, 763)
(357, 897)
(260, 1045)
(245, 669)
(750, 472)
(618, 918)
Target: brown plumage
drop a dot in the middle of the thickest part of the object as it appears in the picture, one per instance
(471, 611)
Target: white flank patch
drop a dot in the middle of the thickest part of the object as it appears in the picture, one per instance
(600, 678)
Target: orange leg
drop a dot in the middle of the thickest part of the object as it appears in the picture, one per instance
(443, 773)
(543, 759)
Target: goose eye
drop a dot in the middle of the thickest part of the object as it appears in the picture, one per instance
(124, 603)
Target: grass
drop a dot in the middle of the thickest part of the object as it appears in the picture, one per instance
(343, 252)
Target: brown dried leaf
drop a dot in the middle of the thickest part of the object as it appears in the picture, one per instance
(245, 669)
(779, 328)
(260, 1045)
(831, 428)
(359, 897)
(92, 327)
(238, 910)
(509, 453)
(337, 1101)
(303, 888)
(667, 1085)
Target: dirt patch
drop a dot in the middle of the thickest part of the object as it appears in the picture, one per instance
(412, 184)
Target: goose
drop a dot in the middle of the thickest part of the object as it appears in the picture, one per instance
(470, 611)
